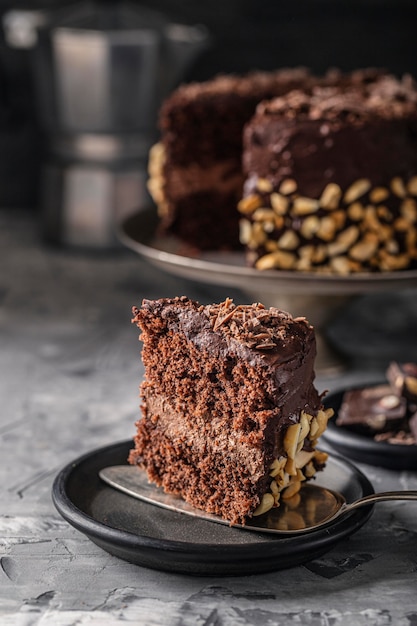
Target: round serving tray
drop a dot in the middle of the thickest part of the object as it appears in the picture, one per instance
(228, 268)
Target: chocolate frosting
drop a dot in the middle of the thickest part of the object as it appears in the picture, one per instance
(258, 335)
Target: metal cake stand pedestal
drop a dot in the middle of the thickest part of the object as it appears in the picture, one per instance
(318, 297)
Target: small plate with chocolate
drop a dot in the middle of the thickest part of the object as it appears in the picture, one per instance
(377, 424)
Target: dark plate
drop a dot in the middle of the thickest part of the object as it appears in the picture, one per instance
(154, 537)
(363, 448)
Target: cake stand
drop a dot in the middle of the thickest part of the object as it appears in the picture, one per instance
(318, 297)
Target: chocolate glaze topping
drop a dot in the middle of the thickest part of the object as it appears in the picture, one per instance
(258, 334)
(387, 97)
(307, 136)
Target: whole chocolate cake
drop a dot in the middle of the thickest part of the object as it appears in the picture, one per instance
(332, 179)
(230, 414)
(196, 176)
(329, 175)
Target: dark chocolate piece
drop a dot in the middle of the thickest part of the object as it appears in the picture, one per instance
(389, 412)
(374, 409)
(403, 378)
(412, 423)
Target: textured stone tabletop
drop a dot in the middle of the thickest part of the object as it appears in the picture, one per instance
(69, 375)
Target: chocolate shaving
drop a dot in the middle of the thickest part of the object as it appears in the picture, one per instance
(258, 328)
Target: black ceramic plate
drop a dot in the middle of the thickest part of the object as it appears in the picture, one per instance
(147, 535)
(363, 448)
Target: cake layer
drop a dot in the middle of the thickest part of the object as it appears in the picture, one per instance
(202, 199)
(230, 411)
(332, 179)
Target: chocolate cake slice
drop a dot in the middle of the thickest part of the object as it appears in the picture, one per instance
(230, 413)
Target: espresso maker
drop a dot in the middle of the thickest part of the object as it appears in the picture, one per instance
(101, 71)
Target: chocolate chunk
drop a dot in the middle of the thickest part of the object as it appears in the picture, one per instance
(403, 378)
(412, 423)
(374, 410)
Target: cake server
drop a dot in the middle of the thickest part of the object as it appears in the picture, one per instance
(317, 506)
